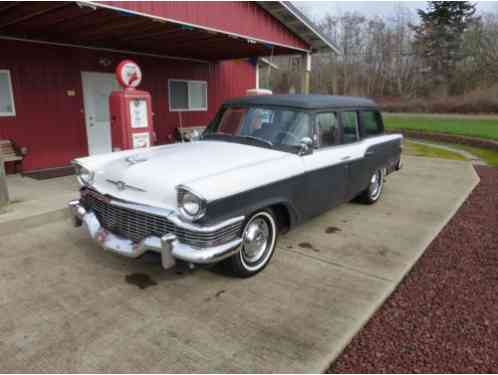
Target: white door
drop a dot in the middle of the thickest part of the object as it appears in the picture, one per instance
(96, 90)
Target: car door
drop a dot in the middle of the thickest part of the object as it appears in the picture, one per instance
(324, 166)
(380, 154)
(356, 168)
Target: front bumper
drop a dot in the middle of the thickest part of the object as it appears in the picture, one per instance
(168, 245)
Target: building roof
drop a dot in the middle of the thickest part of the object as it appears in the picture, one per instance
(304, 101)
(193, 31)
(301, 25)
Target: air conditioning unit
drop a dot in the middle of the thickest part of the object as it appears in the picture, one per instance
(253, 92)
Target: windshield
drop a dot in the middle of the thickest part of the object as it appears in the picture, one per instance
(276, 127)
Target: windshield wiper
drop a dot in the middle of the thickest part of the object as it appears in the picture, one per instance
(257, 139)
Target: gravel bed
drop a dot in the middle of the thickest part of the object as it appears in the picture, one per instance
(443, 317)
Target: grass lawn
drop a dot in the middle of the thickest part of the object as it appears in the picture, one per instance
(416, 149)
(489, 156)
(472, 127)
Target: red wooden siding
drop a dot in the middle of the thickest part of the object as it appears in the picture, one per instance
(240, 17)
(52, 124)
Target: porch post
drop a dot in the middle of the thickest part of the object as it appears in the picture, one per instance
(4, 193)
(305, 87)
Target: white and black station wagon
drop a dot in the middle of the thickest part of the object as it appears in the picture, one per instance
(262, 166)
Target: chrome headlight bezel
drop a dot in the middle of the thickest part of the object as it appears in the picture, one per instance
(84, 175)
(186, 196)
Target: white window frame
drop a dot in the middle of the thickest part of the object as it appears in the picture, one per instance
(11, 91)
(188, 82)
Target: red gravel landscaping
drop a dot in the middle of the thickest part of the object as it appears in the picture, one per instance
(443, 317)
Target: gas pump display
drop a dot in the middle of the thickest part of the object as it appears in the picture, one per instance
(138, 113)
(131, 110)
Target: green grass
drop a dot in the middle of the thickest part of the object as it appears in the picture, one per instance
(416, 149)
(472, 127)
(489, 156)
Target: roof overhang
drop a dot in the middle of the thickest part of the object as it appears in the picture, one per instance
(88, 24)
(301, 25)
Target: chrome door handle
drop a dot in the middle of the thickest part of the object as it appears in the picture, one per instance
(346, 157)
(368, 153)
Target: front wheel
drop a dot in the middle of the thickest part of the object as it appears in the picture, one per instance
(374, 190)
(259, 238)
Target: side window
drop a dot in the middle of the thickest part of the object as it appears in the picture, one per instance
(187, 95)
(372, 123)
(6, 96)
(326, 125)
(349, 127)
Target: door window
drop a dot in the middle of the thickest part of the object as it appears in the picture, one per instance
(327, 129)
(349, 127)
(372, 123)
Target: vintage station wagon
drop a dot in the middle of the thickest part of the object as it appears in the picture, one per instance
(262, 166)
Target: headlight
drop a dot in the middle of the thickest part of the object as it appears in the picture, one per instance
(191, 206)
(85, 176)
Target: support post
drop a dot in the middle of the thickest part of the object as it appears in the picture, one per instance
(4, 193)
(305, 87)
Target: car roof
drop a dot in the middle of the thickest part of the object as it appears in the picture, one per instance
(304, 101)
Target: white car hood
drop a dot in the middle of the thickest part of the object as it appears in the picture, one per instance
(152, 180)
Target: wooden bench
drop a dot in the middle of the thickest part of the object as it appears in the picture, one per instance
(186, 133)
(9, 152)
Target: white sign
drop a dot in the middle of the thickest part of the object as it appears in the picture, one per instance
(138, 113)
(141, 140)
(129, 74)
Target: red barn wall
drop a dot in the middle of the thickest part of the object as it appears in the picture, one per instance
(240, 17)
(52, 124)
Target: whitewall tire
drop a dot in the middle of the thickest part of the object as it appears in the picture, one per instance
(259, 238)
(375, 187)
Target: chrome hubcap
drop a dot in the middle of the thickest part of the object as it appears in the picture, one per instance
(375, 184)
(255, 240)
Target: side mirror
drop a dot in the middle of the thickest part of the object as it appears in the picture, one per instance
(195, 135)
(305, 146)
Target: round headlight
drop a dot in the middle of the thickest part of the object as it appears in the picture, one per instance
(85, 175)
(190, 205)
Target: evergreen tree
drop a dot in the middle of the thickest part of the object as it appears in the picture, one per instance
(439, 38)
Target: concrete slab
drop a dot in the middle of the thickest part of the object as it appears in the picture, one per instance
(36, 202)
(66, 305)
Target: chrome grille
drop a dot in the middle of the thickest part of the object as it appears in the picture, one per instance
(137, 225)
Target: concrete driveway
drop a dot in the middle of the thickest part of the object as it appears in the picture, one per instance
(67, 306)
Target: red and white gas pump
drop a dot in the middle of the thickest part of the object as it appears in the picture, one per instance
(130, 110)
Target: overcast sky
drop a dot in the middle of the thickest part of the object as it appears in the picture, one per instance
(316, 9)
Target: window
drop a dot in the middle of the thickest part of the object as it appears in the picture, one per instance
(349, 127)
(187, 95)
(278, 126)
(6, 95)
(372, 123)
(326, 124)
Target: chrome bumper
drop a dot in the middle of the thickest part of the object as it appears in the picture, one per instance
(168, 246)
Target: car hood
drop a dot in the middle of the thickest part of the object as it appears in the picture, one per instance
(150, 176)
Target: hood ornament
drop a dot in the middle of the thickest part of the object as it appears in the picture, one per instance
(135, 159)
(120, 185)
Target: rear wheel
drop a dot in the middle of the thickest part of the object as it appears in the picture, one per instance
(374, 190)
(259, 238)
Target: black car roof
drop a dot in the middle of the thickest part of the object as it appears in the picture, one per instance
(304, 101)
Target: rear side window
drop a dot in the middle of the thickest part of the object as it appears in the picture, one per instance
(349, 127)
(326, 124)
(372, 123)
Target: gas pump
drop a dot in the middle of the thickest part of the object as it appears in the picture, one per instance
(130, 110)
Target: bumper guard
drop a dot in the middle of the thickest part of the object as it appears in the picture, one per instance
(168, 245)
